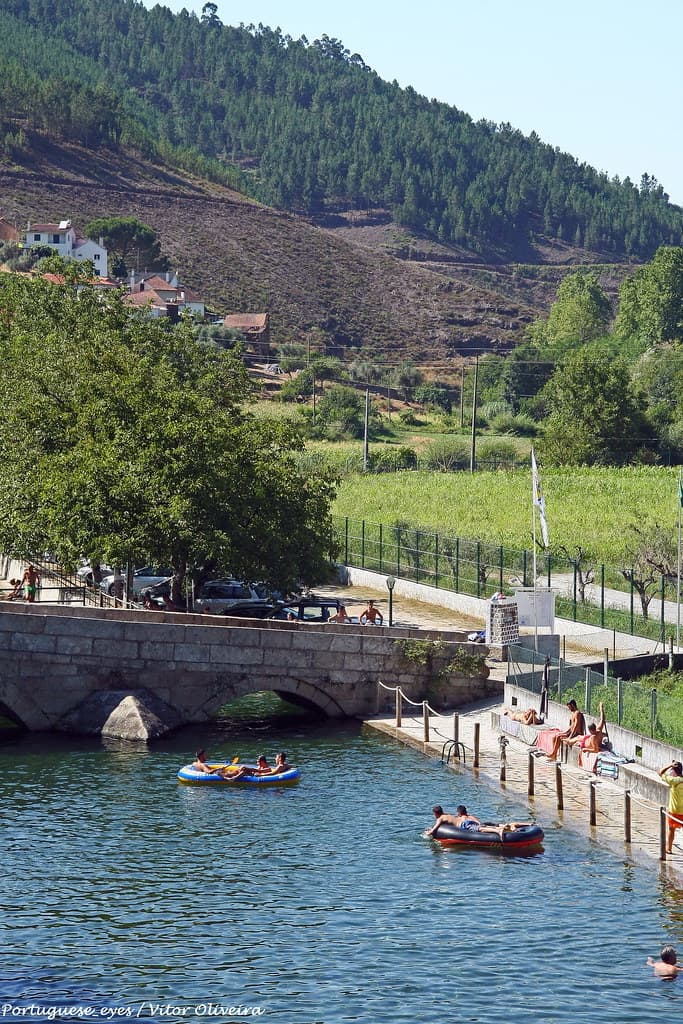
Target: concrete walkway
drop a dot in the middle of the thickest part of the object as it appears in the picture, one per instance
(608, 832)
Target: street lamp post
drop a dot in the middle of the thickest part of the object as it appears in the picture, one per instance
(391, 582)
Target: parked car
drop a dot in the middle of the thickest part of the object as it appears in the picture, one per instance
(85, 573)
(231, 597)
(309, 609)
(147, 576)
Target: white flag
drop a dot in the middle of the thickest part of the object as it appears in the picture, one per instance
(538, 499)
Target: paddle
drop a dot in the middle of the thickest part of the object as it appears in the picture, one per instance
(222, 767)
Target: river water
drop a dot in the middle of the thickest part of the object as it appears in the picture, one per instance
(125, 895)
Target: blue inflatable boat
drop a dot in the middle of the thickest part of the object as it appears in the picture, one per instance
(189, 776)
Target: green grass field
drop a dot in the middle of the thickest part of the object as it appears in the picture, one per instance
(593, 508)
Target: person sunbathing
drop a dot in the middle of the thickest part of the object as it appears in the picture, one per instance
(469, 823)
(591, 743)
(528, 717)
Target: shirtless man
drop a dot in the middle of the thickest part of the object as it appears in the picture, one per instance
(577, 728)
(667, 966)
(200, 764)
(468, 822)
(340, 615)
(262, 768)
(591, 743)
(31, 582)
(372, 614)
(441, 819)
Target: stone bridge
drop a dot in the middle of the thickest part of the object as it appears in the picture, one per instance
(91, 670)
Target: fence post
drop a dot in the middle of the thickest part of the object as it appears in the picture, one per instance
(550, 572)
(456, 727)
(398, 553)
(662, 834)
(502, 743)
(425, 720)
(605, 664)
(417, 556)
(457, 565)
(632, 574)
(602, 596)
(380, 547)
(346, 541)
(362, 544)
(559, 680)
(436, 559)
(653, 712)
(478, 568)
(620, 700)
(524, 567)
(530, 775)
(661, 620)
(475, 762)
(627, 815)
(500, 568)
(558, 787)
(399, 706)
(587, 692)
(574, 591)
(593, 784)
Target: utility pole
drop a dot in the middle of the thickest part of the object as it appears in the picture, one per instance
(474, 413)
(365, 433)
(313, 375)
(462, 393)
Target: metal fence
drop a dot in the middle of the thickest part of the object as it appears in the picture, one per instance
(627, 702)
(603, 597)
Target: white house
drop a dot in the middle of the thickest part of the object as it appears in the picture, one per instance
(63, 239)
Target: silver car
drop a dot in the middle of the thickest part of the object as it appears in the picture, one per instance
(218, 597)
(147, 576)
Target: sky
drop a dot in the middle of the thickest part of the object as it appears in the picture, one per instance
(599, 79)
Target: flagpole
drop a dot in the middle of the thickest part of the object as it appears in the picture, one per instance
(533, 516)
(678, 580)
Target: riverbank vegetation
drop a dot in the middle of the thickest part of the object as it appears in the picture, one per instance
(122, 439)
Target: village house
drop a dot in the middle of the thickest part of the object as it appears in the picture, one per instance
(66, 242)
(254, 328)
(162, 295)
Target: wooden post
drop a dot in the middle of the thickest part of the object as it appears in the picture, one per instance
(477, 728)
(558, 787)
(530, 782)
(425, 720)
(377, 696)
(592, 801)
(456, 727)
(662, 834)
(502, 743)
(399, 706)
(627, 815)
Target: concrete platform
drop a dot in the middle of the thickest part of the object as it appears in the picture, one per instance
(608, 831)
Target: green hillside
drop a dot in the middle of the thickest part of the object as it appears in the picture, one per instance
(308, 127)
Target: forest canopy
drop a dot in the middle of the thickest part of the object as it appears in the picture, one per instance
(256, 106)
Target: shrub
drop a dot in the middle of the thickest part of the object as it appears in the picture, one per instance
(447, 455)
(507, 423)
(391, 459)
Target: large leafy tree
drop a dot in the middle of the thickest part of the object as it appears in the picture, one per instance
(122, 438)
(651, 300)
(580, 313)
(131, 245)
(595, 414)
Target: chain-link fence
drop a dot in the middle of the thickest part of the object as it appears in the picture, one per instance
(627, 702)
(611, 598)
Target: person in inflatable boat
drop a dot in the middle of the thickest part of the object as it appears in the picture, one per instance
(469, 823)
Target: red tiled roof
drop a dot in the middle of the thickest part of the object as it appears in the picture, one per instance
(49, 227)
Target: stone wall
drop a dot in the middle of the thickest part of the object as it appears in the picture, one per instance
(54, 658)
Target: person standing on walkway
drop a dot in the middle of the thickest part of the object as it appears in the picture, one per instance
(673, 776)
(30, 581)
(372, 614)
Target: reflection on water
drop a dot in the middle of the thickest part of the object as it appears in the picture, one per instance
(317, 903)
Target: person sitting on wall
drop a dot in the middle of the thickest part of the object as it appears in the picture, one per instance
(577, 728)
